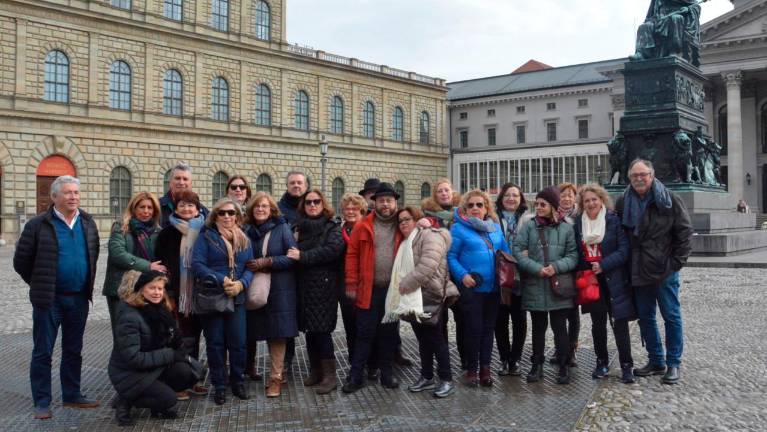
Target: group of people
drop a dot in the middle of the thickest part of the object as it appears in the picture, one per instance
(377, 263)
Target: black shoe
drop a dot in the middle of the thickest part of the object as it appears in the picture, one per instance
(240, 391)
(563, 377)
(170, 413)
(627, 373)
(571, 357)
(671, 376)
(601, 370)
(374, 374)
(219, 397)
(445, 389)
(504, 370)
(650, 369)
(351, 386)
(553, 360)
(514, 369)
(421, 385)
(536, 373)
(390, 383)
(122, 412)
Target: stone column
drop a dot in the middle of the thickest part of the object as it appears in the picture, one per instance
(734, 134)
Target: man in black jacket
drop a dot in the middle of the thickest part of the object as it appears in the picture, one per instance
(660, 232)
(56, 255)
(180, 179)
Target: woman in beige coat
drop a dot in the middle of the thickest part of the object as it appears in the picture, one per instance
(428, 261)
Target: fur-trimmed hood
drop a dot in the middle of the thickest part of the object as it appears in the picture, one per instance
(129, 280)
(430, 204)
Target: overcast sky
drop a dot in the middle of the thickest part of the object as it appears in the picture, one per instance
(463, 39)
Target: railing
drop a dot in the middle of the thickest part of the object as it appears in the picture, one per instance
(307, 51)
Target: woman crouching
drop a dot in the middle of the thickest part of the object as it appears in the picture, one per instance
(148, 364)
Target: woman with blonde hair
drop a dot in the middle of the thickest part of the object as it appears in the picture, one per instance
(131, 245)
(476, 236)
(220, 253)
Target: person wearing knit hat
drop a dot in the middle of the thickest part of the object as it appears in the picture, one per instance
(538, 297)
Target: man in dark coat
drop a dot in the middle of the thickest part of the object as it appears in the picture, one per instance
(56, 256)
(660, 232)
(180, 179)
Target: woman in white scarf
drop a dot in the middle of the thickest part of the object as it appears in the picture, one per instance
(420, 289)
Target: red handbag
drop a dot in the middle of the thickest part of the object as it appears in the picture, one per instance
(587, 285)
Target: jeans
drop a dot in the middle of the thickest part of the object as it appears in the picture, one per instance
(432, 343)
(666, 297)
(460, 340)
(161, 394)
(480, 311)
(599, 322)
(70, 312)
(540, 324)
(371, 332)
(511, 351)
(225, 332)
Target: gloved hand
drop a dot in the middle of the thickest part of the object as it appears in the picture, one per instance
(233, 288)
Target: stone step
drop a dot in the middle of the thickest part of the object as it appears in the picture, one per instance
(714, 223)
(729, 243)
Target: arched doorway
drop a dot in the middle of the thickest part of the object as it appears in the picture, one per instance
(50, 168)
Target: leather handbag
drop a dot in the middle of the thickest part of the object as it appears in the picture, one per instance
(258, 290)
(507, 275)
(562, 285)
(209, 297)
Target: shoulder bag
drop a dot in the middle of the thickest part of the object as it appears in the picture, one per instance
(209, 297)
(562, 285)
(508, 277)
(258, 290)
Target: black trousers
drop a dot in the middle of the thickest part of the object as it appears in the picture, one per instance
(460, 340)
(320, 344)
(511, 351)
(370, 332)
(574, 326)
(161, 394)
(432, 343)
(540, 321)
(480, 314)
(191, 330)
(349, 317)
(599, 322)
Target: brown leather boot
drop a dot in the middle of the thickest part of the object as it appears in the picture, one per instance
(329, 382)
(485, 378)
(275, 382)
(315, 371)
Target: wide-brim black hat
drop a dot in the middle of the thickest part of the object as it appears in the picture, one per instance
(385, 189)
(371, 185)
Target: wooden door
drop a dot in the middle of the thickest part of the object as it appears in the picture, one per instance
(44, 193)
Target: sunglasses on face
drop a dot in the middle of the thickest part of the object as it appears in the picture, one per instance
(541, 204)
(237, 186)
(227, 212)
(477, 205)
(314, 202)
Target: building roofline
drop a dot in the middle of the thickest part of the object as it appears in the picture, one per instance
(532, 72)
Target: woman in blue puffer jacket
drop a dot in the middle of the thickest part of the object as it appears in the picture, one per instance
(476, 238)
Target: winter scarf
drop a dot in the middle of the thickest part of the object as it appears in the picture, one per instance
(142, 231)
(162, 324)
(189, 231)
(445, 215)
(634, 206)
(510, 219)
(235, 241)
(593, 229)
(407, 304)
(482, 226)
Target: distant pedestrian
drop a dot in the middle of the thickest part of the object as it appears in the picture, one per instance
(56, 256)
(742, 207)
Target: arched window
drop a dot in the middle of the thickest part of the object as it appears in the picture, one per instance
(338, 192)
(220, 99)
(220, 179)
(337, 115)
(399, 187)
(263, 105)
(425, 190)
(302, 110)
(424, 128)
(172, 93)
(764, 132)
(56, 86)
(263, 21)
(369, 120)
(120, 86)
(722, 123)
(173, 9)
(219, 15)
(119, 189)
(264, 184)
(166, 180)
(398, 124)
(122, 4)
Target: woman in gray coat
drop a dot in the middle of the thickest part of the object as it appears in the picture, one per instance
(537, 294)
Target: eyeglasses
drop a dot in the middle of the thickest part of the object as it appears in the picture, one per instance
(226, 212)
(477, 205)
(640, 175)
(405, 220)
(314, 202)
(263, 206)
(541, 204)
(238, 186)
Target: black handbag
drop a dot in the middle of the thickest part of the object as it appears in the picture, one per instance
(562, 285)
(209, 297)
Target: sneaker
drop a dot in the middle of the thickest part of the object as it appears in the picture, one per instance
(445, 389)
(182, 395)
(650, 369)
(601, 370)
(82, 402)
(627, 374)
(421, 385)
(43, 413)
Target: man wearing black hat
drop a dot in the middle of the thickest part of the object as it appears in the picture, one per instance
(370, 187)
(369, 261)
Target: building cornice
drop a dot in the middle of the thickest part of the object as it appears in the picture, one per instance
(531, 146)
(527, 96)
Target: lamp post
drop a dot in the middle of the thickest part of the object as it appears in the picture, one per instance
(116, 208)
(323, 161)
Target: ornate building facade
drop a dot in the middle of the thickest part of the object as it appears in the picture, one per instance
(118, 91)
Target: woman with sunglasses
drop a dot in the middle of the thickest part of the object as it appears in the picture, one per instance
(238, 190)
(476, 238)
(320, 250)
(276, 321)
(221, 251)
(537, 294)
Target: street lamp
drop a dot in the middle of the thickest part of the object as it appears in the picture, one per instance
(324, 160)
(116, 207)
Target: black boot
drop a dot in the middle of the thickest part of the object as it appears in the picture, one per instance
(240, 390)
(571, 359)
(601, 370)
(627, 373)
(122, 412)
(564, 374)
(536, 373)
(650, 369)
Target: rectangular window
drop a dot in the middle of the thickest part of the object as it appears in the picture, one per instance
(546, 171)
(581, 170)
(558, 167)
(491, 137)
(503, 172)
(463, 138)
(472, 176)
(583, 129)
(173, 9)
(583, 103)
(493, 176)
(535, 174)
(551, 106)
(219, 12)
(593, 170)
(569, 175)
(122, 4)
(483, 176)
(514, 171)
(521, 109)
(551, 131)
(463, 116)
(524, 174)
(464, 178)
(491, 113)
(521, 134)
